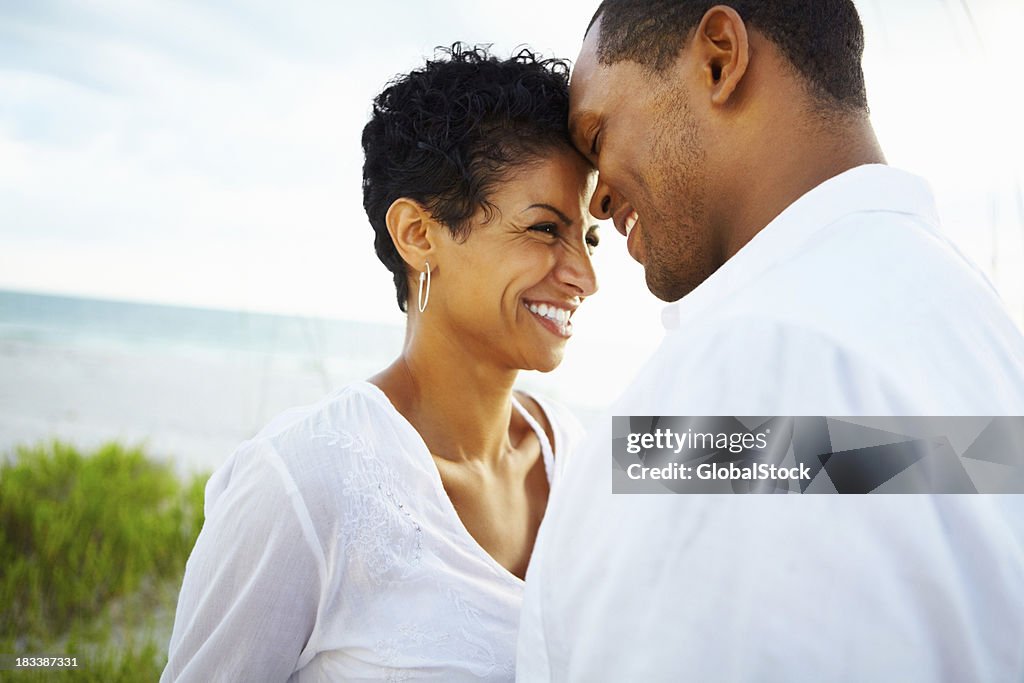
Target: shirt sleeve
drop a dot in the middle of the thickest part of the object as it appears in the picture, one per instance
(249, 600)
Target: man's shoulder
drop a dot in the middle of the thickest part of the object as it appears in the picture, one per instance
(872, 258)
(772, 362)
(872, 282)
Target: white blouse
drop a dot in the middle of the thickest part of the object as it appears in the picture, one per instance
(331, 552)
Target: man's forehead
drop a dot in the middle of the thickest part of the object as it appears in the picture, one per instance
(587, 60)
(585, 72)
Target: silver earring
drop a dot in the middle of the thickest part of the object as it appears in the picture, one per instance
(422, 299)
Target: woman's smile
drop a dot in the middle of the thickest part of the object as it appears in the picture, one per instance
(554, 318)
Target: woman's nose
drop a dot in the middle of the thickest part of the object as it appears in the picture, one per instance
(577, 271)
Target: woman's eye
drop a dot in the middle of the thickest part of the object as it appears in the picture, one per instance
(549, 228)
(593, 241)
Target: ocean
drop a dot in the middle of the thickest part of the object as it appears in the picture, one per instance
(189, 384)
(48, 319)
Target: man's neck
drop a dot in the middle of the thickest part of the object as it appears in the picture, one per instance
(800, 159)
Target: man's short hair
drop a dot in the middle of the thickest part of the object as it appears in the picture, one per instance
(822, 39)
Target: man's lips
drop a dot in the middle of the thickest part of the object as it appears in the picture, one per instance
(624, 219)
(633, 239)
(631, 221)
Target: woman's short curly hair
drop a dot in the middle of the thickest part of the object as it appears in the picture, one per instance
(446, 134)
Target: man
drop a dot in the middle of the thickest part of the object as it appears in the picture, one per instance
(736, 156)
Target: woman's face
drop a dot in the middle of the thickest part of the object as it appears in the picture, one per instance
(509, 290)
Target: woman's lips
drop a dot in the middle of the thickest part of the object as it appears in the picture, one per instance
(555, 319)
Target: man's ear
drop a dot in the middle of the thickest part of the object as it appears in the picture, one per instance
(723, 46)
(412, 229)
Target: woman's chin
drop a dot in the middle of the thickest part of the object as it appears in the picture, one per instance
(548, 362)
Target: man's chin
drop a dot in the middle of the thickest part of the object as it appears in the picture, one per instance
(667, 289)
(667, 298)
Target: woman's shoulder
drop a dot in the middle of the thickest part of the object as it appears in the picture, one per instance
(318, 453)
(312, 444)
(355, 407)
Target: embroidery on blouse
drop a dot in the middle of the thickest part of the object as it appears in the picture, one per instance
(379, 531)
(408, 638)
(382, 542)
(485, 661)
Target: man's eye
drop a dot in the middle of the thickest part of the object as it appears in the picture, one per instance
(593, 143)
(549, 228)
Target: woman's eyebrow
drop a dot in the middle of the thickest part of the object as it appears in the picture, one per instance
(565, 219)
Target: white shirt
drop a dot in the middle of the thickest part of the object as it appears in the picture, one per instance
(849, 303)
(331, 552)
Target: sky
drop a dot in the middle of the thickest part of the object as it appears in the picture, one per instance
(207, 153)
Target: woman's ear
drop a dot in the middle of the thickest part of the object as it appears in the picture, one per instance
(412, 229)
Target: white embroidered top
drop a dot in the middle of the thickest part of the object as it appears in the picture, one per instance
(331, 552)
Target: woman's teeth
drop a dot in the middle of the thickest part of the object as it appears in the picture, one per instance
(559, 315)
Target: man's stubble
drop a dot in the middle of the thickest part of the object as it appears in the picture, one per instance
(680, 251)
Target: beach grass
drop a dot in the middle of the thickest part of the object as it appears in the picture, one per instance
(92, 550)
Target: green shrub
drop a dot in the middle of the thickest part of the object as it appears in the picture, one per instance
(88, 546)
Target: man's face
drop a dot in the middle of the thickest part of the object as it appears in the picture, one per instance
(640, 131)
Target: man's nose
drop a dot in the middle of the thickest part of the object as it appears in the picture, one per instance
(601, 203)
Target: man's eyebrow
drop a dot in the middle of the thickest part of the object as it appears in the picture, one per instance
(565, 219)
(583, 124)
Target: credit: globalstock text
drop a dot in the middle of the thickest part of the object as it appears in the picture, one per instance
(728, 471)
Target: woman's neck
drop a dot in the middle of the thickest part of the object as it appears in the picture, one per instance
(460, 405)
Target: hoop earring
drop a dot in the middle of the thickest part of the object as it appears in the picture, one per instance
(421, 298)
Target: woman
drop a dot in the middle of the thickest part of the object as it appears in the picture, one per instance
(384, 533)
